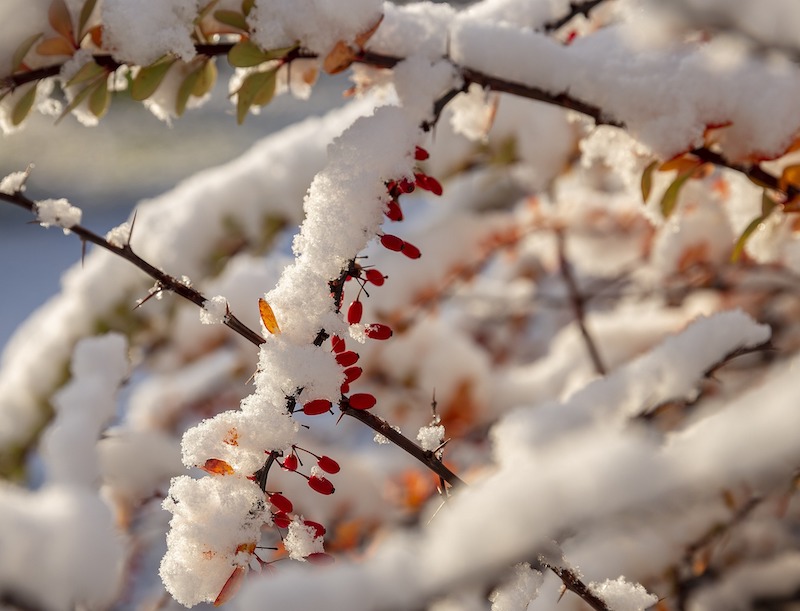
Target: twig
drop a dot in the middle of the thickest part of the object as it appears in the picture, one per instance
(575, 9)
(578, 303)
(170, 283)
(574, 583)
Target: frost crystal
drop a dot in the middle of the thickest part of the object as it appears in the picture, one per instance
(431, 437)
(57, 212)
(381, 440)
(214, 311)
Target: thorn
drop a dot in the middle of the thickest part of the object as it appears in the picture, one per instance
(441, 446)
(561, 594)
(155, 290)
(83, 251)
(130, 233)
(339, 419)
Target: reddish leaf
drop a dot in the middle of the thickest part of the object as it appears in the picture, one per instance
(231, 586)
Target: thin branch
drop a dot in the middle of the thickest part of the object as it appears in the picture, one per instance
(575, 584)
(578, 304)
(575, 9)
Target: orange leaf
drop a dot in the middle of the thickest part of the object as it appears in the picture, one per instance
(790, 176)
(231, 586)
(60, 20)
(216, 466)
(339, 59)
(362, 38)
(683, 164)
(268, 317)
(55, 46)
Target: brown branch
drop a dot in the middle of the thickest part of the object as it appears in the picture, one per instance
(578, 304)
(575, 584)
(575, 9)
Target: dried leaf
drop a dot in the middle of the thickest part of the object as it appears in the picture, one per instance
(149, 78)
(96, 34)
(670, 198)
(268, 317)
(55, 46)
(232, 19)
(23, 106)
(339, 59)
(86, 13)
(647, 180)
(60, 20)
(684, 163)
(88, 72)
(216, 466)
(231, 586)
(22, 51)
(100, 99)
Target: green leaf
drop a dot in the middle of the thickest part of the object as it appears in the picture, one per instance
(23, 106)
(22, 51)
(768, 204)
(76, 101)
(231, 18)
(208, 77)
(280, 52)
(670, 197)
(88, 72)
(257, 89)
(83, 19)
(246, 54)
(100, 99)
(647, 180)
(247, 6)
(185, 90)
(739, 247)
(149, 78)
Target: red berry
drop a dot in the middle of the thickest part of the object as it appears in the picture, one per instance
(282, 504)
(390, 186)
(290, 463)
(320, 484)
(393, 211)
(337, 344)
(354, 312)
(344, 388)
(320, 558)
(428, 183)
(392, 242)
(345, 359)
(351, 374)
(411, 251)
(327, 464)
(420, 154)
(281, 520)
(405, 186)
(316, 407)
(378, 331)
(319, 529)
(361, 400)
(374, 276)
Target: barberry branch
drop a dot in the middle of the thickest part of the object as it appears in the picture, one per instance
(578, 303)
(575, 9)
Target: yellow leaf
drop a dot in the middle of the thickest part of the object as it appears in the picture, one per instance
(647, 180)
(268, 317)
(208, 77)
(670, 198)
(216, 466)
(790, 176)
(683, 164)
(362, 38)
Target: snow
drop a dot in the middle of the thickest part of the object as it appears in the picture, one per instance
(620, 595)
(301, 541)
(431, 437)
(214, 311)
(13, 183)
(58, 212)
(519, 590)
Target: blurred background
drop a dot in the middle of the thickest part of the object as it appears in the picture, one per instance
(105, 170)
